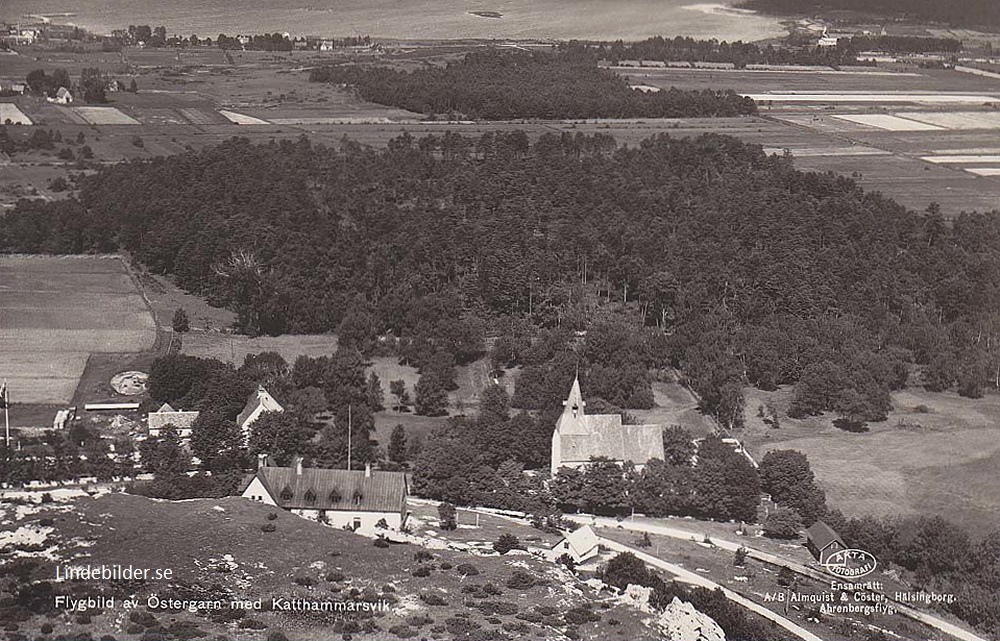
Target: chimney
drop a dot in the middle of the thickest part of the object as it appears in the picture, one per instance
(298, 466)
(261, 461)
(368, 470)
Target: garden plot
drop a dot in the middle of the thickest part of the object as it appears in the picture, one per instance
(9, 111)
(957, 119)
(887, 122)
(104, 116)
(241, 119)
(869, 97)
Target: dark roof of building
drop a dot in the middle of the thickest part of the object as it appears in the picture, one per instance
(610, 439)
(822, 535)
(322, 489)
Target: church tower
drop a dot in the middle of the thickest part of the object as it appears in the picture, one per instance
(572, 421)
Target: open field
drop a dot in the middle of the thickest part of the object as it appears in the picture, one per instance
(10, 113)
(936, 454)
(55, 311)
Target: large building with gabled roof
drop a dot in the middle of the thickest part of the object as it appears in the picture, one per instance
(358, 499)
(580, 437)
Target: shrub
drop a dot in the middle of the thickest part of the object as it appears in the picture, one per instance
(740, 556)
(506, 543)
(251, 624)
(403, 631)
(448, 516)
(432, 599)
(46, 522)
(46, 628)
(304, 581)
(335, 577)
(643, 541)
(782, 523)
(467, 569)
(422, 555)
(580, 615)
(268, 527)
(47, 497)
(520, 580)
(566, 561)
(380, 543)
(446, 566)
(785, 577)
(422, 572)
(271, 516)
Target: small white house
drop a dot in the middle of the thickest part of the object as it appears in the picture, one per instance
(167, 415)
(63, 96)
(258, 403)
(581, 545)
(340, 498)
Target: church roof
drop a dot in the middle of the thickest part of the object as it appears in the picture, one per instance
(607, 437)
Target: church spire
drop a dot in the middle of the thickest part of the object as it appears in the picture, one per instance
(574, 402)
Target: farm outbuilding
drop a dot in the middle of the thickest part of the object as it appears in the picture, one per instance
(823, 541)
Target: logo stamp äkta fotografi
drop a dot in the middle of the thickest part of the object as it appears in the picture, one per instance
(851, 563)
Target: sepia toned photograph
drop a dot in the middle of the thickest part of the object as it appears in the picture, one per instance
(500, 320)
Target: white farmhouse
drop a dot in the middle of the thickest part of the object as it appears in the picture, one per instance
(258, 403)
(167, 415)
(353, 498)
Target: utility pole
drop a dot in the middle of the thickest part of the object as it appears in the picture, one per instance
(6, 417)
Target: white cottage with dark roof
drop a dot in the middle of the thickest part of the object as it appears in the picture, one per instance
(167, 415)
(354, 498)
(579, 437)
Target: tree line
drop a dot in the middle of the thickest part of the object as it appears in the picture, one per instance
(507, 85)
(702, 254)
(741, 54)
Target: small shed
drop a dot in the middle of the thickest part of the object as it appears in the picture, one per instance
(581, 545)
(823, 541)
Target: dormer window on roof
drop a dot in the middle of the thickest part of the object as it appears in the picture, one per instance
(357, 498)
(334, 496)
(310, 497)
(287, 494)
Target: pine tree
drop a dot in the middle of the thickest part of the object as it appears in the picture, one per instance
(180, 321)
(397, 445)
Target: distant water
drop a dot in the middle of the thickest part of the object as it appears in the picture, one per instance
(431, 19)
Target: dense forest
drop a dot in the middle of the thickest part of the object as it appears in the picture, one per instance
(968, 13)
(507, 85)
(704, 254)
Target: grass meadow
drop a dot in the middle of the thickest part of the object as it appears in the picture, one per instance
(937, 453)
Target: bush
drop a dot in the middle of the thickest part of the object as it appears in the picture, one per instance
(467, 569)
(446, 565)
(644, 541)
(448, 516)
(335, 577)
(403, 631)
(46, 628)
(422, 572)
(580, 615)
(380, 543)
(304, 581)
(506, 543)
(520, 580)
(740, 556)
(47, 497)
(271, 516)
(432, 599)
(422, 555)
(782, 523)
(268, 527)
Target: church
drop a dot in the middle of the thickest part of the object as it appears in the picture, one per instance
(579, 437)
